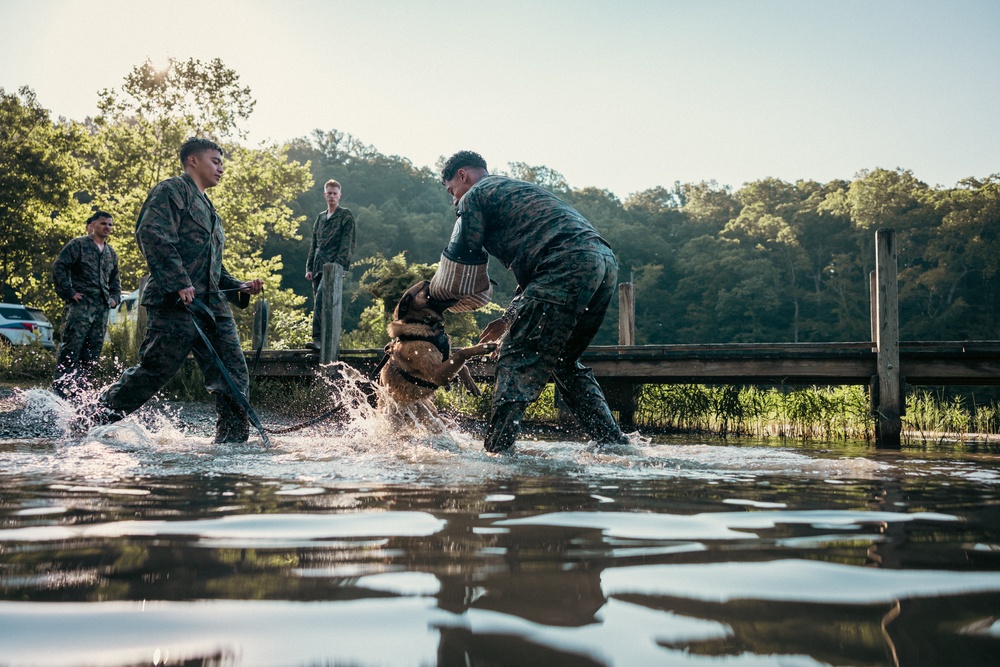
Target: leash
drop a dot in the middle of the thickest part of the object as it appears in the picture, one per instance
(265, 317)
(198, 311)
(311, 422)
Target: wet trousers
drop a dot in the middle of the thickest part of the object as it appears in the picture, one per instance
(84, 326)
(557, 316)
(170, 336)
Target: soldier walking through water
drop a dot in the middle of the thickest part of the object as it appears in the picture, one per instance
(181, 237)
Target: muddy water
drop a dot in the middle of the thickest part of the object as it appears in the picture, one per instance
(144, 544)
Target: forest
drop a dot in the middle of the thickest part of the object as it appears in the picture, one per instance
(771, 261)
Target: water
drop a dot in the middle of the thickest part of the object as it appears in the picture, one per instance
(144, 544)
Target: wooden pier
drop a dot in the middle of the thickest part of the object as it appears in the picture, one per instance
(885, 364)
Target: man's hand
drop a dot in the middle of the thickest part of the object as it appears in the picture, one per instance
(76, 298)
(494, 331)
(113, 304)
(186, 295)
(309, 275)
(255, 286)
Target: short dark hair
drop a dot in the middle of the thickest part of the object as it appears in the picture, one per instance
(459, 160)
(98, 215)
(196, 145)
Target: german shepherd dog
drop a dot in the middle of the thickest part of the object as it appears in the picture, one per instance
(420, 358)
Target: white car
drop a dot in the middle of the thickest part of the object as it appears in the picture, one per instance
(126, 309)
(20, 325)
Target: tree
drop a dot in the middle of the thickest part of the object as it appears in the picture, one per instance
(38, 176)
(138, 135)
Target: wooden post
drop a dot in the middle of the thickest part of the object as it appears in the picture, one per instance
(626, 314)
(888, 424)
(332, 286)
(628, 398)
(873, 306)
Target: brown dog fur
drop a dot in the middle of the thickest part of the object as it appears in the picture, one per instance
(417, 315)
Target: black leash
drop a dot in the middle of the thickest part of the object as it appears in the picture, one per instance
(265, 317)
(198, 311)
(315, 420)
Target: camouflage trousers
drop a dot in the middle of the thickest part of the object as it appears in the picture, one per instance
(170, 336)
(317, 319)
(84, 326)
(556, 318)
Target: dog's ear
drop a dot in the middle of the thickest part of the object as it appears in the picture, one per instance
(403, 307)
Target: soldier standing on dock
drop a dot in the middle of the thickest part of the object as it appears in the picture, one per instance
(332, 243)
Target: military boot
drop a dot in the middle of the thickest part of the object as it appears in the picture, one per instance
(232, 424)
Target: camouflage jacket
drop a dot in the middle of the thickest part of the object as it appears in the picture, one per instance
(332, 240)
(180, 235)
(518, 223)
(83, 267)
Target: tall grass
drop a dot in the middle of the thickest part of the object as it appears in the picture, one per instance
(813, 412)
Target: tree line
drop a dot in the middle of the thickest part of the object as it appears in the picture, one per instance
(772, 261)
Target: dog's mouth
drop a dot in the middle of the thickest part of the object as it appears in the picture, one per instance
(440, 305)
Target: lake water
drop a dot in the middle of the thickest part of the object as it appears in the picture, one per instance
(353, 545)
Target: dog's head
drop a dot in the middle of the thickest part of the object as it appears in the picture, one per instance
(417, 300)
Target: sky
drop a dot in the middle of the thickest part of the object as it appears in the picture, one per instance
(623, 95)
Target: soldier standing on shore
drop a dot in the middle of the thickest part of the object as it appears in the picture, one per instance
(181, 237)
(332, 242)
(86, 278)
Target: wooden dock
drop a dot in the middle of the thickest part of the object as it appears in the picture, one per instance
(826, 364)
(884, 364)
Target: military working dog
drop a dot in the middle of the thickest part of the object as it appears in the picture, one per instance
(420, 358)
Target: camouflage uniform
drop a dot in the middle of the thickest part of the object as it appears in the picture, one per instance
(567, 276)
(332, 241)
(83, 267)
(181, 237)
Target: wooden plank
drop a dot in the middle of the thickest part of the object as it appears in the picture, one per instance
(921, 362)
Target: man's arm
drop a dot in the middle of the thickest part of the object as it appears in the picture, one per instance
(347, 241)
(115, 283)
(312, 248)
(62, 271)
(462, 272)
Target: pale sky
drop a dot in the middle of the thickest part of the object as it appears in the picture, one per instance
(621, 94)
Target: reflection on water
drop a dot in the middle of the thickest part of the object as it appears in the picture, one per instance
(144, 544)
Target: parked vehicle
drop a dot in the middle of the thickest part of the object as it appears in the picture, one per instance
(20, 325)
(127, 309)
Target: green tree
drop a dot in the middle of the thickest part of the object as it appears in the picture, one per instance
(38, 213)
(138, 135)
